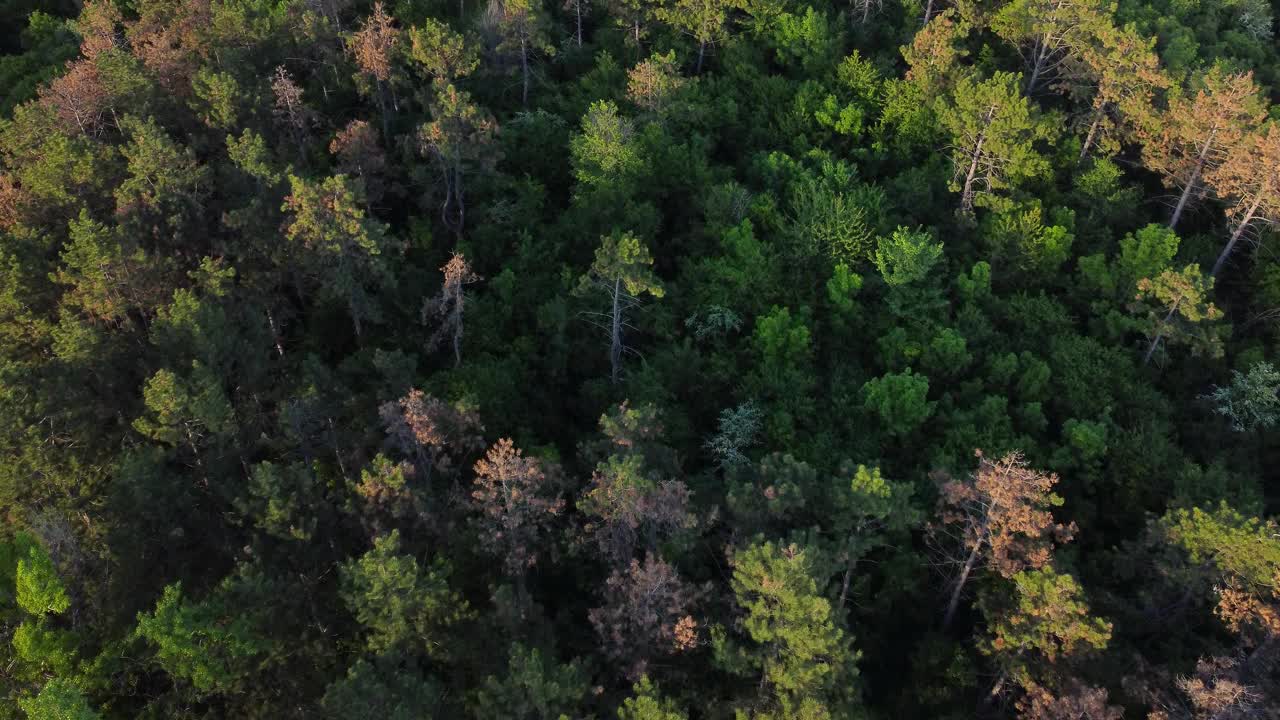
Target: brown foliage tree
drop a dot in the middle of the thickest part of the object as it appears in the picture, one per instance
(431, 431)
(373, 47)
(384, 495)
(1117, 75)
(627, 503)
(97, 26)
(1000, 515)
(78, 98)
(171, 40)
(1216, 690)
(935, 52)
(652, 83)
(360, 155)
(447, 307)
(516, 501)
(1249, 178)
(1076, 701)
(645, 615)
(1194, 136)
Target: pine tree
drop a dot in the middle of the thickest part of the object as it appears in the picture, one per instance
(1000, 516)
(517, 501)
(621, 272)
(786, 637)
(339, 248)
(374, 47)
(1194, 136)
(1178, 310)
(993, 131)
(1248, 178)
(460, 139)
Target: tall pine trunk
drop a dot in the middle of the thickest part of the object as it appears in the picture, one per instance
(1239, 233)
(1155, 342)
(524, 69)
(615, 333)
(966, 197)
(1193, 181)
(961, 581)
(1093, 133)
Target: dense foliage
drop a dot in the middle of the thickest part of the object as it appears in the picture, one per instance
(648, 359)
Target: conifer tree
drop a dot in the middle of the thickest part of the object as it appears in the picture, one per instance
(1001, 518)
(1193, 137)
(1249, 179)
(621, 272)
(339, 248)
(993, 131)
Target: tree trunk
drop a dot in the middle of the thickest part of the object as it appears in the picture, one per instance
(954, 602)
(275, 333)
(382, 105)
(1160, 333)
(615, 333)
(461, 201)
(355, 317)
(1235, 236)
(456, 321)
(1093, 132)
(966, 197)
(524, 69)
(866, 10)
(577, 8)
(702, 52)
(1038, 66)
(1192, 181)
(844, 583)
(928, 12)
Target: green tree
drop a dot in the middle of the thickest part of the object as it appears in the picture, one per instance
(381, 690)
(784, 377)
(1042, 620)
(621, 272)
(58, 700)
(401, 604)
(646, 703)
(1251, 401)
(787, 637)
(1178, 310)
(166, 186)
(185, 410)
(339, 248)
(524, 30)
(900, 400)
(906, 256)
(706, 21)
(993, 131)
(38, 588)
(606, 151)
(533, 687)
(214, 644)
(460, 138)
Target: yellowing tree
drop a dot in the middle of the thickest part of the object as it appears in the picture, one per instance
(1179, 311)
(1118, 75)
(1047, 32)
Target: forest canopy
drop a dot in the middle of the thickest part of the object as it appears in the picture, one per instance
(639, 359)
